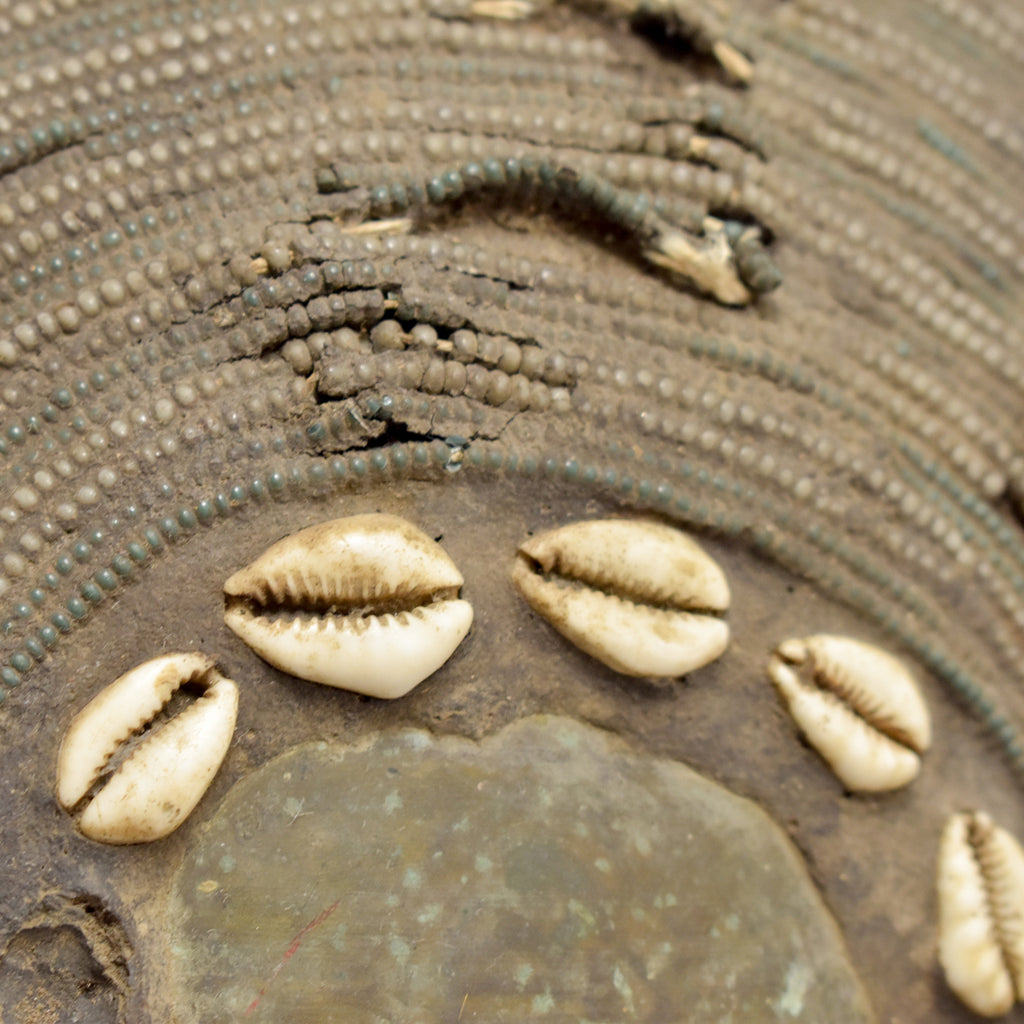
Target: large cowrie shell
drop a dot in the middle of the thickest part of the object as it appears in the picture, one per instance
(858, 707)
(639, 596)
(132, 772)
(367, 603)
(981, 913)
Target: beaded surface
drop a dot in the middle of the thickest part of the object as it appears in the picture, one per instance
(263, 261)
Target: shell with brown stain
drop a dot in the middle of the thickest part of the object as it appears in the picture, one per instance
(128, 769)
(641, 597)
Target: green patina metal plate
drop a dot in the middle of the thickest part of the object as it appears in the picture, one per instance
(546, 873)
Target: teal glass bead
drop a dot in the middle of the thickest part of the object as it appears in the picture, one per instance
(106, 579)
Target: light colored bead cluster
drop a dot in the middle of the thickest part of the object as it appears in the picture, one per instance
(190, 321)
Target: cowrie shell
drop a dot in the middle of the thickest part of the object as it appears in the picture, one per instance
(155, 788)
(639, 596)
(981, 913)
(858, 707)
(368, 603)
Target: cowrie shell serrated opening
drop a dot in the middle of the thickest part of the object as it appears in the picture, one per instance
(149, 793)
(980, 883)
(858, 706)
(641, 597)
(368, 604)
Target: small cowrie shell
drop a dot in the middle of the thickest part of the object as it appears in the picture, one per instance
(149, 793)
(858, 707)
(981, 913)
(368, 604)
(639, 596)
